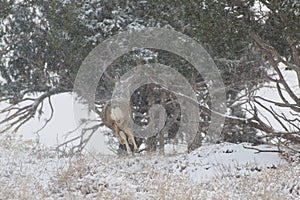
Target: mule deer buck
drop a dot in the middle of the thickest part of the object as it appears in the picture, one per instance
(116, 116)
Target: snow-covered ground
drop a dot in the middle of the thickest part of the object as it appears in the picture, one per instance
(222, 171)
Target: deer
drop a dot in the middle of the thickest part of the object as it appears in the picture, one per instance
(116, 116)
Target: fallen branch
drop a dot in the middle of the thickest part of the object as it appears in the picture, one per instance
(263, 150)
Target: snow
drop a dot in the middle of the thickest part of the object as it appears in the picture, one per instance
(233, 157)
(33, 171)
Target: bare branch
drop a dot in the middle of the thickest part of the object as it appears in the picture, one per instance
(51, 115)
(275, 59)
(17, 116)
(263, 150)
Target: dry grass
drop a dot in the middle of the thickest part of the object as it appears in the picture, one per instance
(26, 173)
(279, 183)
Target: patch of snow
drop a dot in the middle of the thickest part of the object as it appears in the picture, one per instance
(206, 163)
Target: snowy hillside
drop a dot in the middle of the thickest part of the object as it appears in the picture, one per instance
(223, 171)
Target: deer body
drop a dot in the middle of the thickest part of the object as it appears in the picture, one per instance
(118, 118)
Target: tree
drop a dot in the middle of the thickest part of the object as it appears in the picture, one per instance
(44, 43)
(277, 37)
(256, 36)
(220, 31)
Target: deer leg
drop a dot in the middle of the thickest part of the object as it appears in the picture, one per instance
(132, 141)
(117, 131)
(124, 139)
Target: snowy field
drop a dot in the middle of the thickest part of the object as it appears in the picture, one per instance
(223, 171)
